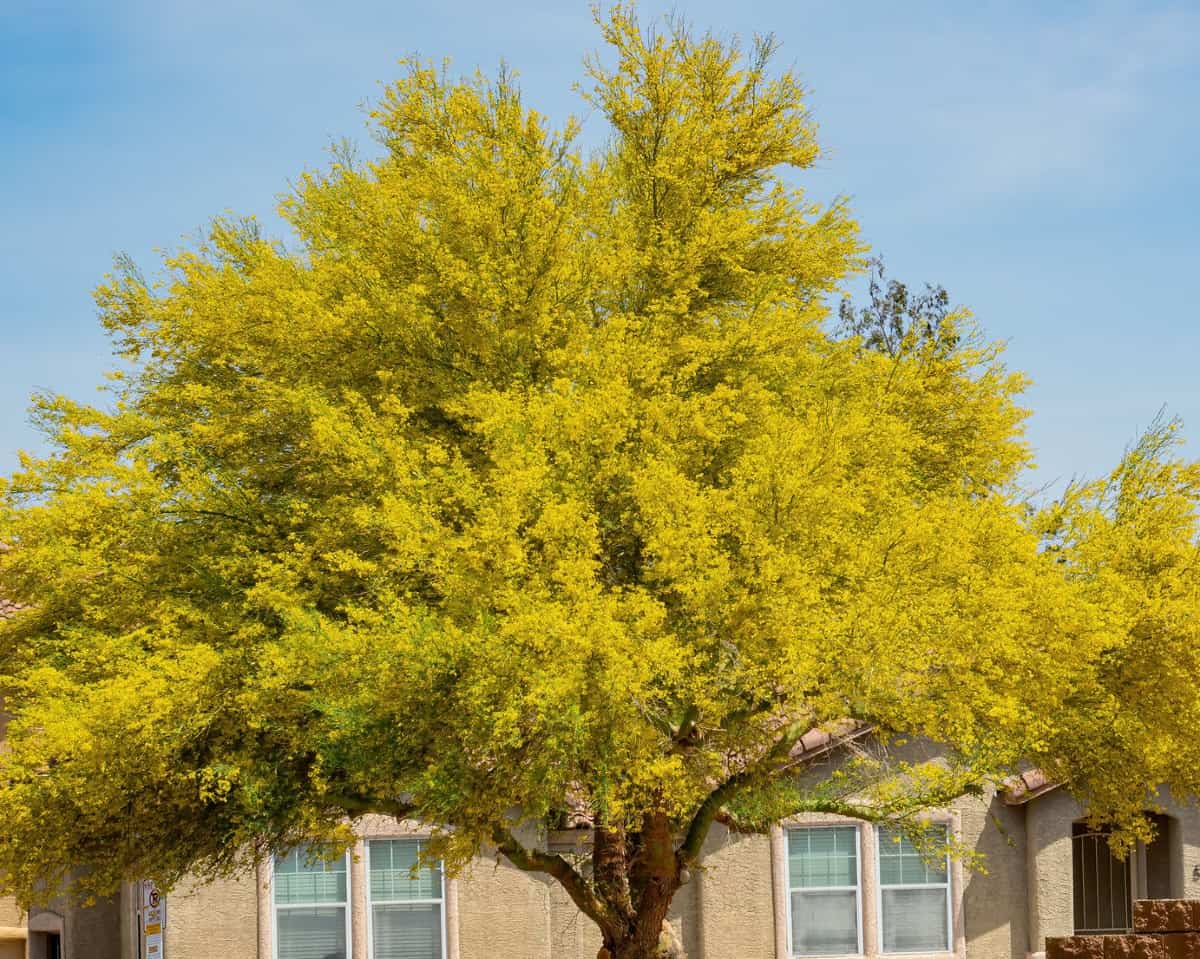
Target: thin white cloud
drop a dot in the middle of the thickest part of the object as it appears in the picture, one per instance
(1062, 104)
(964, 107)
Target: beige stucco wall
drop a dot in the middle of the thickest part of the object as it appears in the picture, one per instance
(10, 915)
(572, 934)
(218, 920)
(503, 911)
(996, 919)
(1050, 906)
(1185, 878)
(685, 915)
(90, 932)
(735, 894)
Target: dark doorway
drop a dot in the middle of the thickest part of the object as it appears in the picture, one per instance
(45, 945)
(1158, 858)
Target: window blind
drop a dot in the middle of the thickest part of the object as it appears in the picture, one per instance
(310, 906)
(407, 931)
(914, 895)
(406, 902)
(823, 878)
(311, 933)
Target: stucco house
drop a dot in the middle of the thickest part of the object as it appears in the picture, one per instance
(816, 886)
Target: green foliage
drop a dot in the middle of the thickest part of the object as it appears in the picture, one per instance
(894, 319)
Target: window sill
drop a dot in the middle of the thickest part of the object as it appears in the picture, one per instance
(879, 955)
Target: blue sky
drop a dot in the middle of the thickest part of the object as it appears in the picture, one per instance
(1037, 159)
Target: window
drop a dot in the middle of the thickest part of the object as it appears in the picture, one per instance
(407, 915)
(1102, 884)
(824, 883)
(1104, 887)
(914, 895)
(311, 915)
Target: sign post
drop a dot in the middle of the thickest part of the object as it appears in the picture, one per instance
(153, 918)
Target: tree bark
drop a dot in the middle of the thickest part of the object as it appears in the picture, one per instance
(667, 947)
(654, 878)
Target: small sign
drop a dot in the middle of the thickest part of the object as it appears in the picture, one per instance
(152, 920)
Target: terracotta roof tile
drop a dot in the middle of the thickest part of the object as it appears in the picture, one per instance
(825, 738)
(1018, 790)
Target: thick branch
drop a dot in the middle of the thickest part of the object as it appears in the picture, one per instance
(837, 807)
(610, 866)
(554, 865)
(855, 801)
(702, 821)
(693, 841)
(356, 803)
(776, 760)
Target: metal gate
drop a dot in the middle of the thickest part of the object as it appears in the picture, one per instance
(1102, 883)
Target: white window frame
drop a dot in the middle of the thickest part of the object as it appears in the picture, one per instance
(858, 886)
(346, 904)
(372, 903)
(948, 886)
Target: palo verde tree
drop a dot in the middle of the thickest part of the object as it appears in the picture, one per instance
(525, 482)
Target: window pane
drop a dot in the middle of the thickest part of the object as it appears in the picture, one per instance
(299, 881)
(407, 931)
(914, 920)
(900, 863)
(391, 861)
(824, 923)
(317, 933)
(825, 856)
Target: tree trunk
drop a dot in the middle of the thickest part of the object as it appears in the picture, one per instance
(654, 878)
(666, 946)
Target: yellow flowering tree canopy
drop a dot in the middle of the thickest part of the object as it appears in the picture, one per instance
(526, 484)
